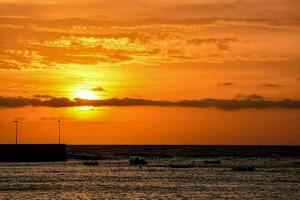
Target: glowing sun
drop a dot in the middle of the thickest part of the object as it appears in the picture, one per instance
(85, 94)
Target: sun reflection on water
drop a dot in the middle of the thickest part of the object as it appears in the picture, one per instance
(86, 112)
(85, 108)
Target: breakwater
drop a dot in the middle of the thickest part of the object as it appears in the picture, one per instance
(33, 152)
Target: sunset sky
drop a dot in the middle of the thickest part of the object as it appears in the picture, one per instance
(150, 71)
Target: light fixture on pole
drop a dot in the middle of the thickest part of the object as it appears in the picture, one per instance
(59, 121)
(16, 122)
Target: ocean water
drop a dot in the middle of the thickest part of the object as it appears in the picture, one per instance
(276, 175)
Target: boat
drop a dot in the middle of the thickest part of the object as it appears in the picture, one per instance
(243, 168)
(137, 161)
(212, 162)
(180, 165)
(91, 163)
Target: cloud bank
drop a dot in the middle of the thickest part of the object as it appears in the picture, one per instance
(41, 34)
(249, 102)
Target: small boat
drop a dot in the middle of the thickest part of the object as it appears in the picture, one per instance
(137, 161)
(297, 163)
(212, 162)
(91, 163)
(243, 168)
(180, 166)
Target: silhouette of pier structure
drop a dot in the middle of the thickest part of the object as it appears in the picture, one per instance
(33, 152)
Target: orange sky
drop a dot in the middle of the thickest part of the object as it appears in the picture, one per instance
(157, 50)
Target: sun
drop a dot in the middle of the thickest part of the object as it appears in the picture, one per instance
(85, 94)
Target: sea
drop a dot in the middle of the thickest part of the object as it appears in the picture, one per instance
(173, 172)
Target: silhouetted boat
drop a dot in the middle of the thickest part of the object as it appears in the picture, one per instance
(91, 163)
(297, 163)
(180, 166)
(212, 162)
(243, 168)
(137, 161)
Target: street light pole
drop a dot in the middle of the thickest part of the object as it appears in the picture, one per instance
(59, 131)
(16, 122)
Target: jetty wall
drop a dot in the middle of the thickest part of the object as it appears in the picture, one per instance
(33, 152)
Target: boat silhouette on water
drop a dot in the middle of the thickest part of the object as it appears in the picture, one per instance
(91, 163)
(243, 168)
(137, 161)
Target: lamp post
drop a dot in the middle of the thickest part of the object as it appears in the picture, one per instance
(16, 122)
(59, 121)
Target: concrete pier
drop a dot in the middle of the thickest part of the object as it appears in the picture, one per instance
(33, 152)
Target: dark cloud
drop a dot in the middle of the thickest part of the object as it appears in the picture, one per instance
(225, 84)
(252, 97)
(221, 43)
(58, 102)
(99, 89)
(243, 102)
(298, 79)
(43, 96)
(12, 102)
(270, 85)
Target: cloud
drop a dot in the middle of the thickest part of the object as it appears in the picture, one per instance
(12, 102)
(243, 102)
(58, 102)
(54, 33)
(43, 96)
(98, 89)
(225, 84)
(298, 79)
(222, 43)
(270, 85)
(251, 97)
(237, 9)
(28, 42)
(117, 9)
(9, 65)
